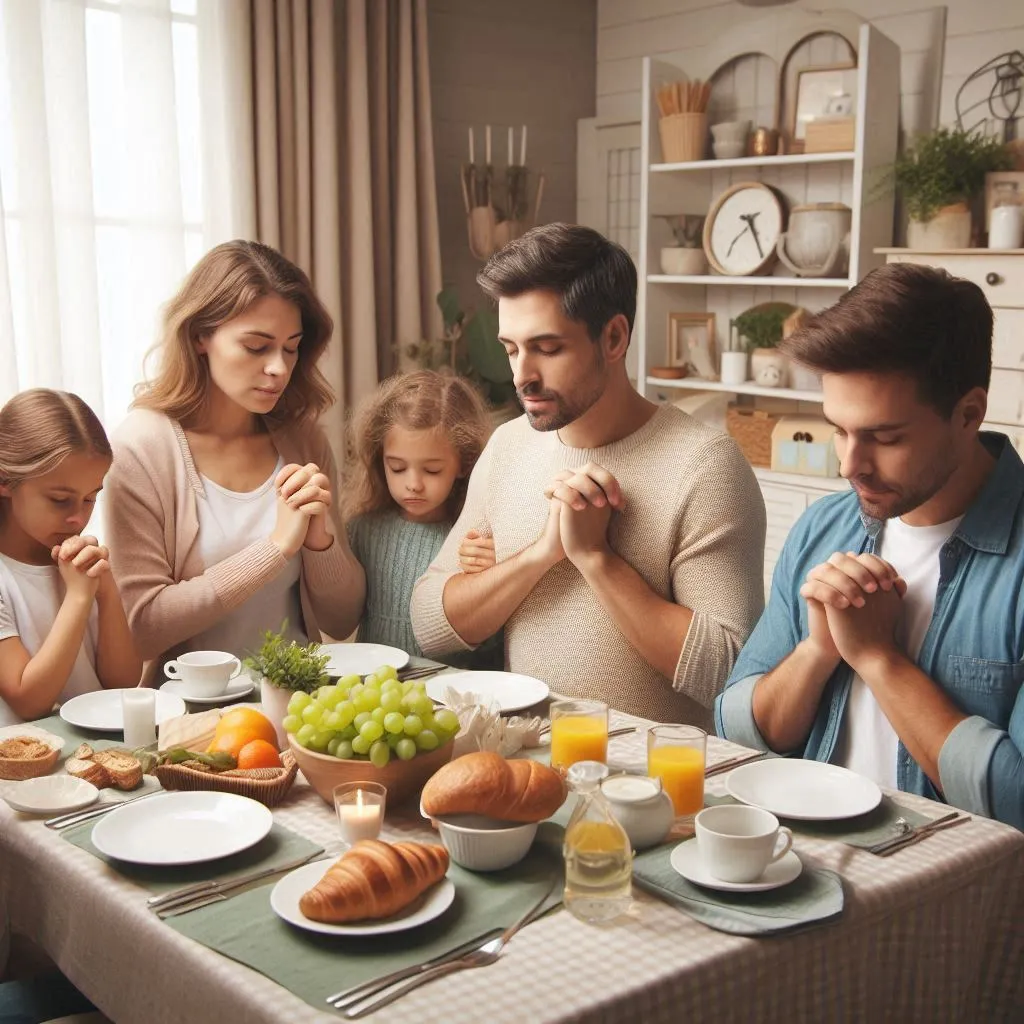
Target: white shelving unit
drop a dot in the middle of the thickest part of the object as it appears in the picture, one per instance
(848, 177)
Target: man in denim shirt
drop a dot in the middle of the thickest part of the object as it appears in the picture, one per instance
(894, 634)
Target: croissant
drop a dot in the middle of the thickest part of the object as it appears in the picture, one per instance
(373, 880)
(485, 783)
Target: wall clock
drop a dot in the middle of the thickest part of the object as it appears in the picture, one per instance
(742, 229)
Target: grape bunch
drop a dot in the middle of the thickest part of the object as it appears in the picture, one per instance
(374, 718)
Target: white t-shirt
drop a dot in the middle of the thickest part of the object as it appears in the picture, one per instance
(30, 597)
(228, 522)
(868, 743)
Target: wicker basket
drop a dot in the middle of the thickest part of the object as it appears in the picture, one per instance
(752, 430)
(18, 769)
(267, 785)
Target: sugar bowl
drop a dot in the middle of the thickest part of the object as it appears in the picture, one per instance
(641, 807)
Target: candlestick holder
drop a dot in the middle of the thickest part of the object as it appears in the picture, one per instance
(360, 810)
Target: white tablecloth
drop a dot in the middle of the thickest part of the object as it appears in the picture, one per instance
(933, 933)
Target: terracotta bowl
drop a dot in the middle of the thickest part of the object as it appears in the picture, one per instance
(403, 779)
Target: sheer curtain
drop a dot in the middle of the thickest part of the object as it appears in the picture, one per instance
(126, 151)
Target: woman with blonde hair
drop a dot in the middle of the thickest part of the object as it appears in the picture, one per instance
(412, 446)
(62, 627)
(221, 510)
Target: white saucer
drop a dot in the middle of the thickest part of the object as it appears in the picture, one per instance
(686, 860)
(237, 689)
(361, 659)
(50, 794)
(285, 896)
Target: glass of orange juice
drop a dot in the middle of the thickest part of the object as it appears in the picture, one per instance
(579, 732)
(675, 754)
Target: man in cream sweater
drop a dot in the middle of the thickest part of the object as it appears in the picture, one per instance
(629, 537)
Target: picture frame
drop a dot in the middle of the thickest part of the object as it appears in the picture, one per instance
(823, 92)
(996, 182)
(691, 343)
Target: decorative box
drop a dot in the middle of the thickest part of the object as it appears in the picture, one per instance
(752, 430)
(804, 444)
(830, 135)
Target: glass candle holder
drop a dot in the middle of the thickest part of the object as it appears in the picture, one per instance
(360, 809)
(676, 755)
(579, 732)
(138, 713)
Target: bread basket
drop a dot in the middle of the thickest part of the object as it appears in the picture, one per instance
(39, 762)
(267, 785)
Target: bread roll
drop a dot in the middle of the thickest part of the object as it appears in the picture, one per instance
(485, 783)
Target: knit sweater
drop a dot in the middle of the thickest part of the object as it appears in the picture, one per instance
(153, 533)
(693, 528)
(395, 553)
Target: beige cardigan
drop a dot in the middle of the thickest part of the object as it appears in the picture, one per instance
(152, 524)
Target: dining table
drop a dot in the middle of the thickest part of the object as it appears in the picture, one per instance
(931, 933)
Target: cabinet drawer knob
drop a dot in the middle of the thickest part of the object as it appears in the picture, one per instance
(992, 278)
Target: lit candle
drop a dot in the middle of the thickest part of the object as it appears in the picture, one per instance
(360, 808)
(522, 149)
(510, 146)
(138, 712)
(487, 144)
(471, 144)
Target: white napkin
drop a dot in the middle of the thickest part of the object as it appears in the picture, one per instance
(483, 728)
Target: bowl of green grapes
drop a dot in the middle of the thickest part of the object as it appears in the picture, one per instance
(369, 729)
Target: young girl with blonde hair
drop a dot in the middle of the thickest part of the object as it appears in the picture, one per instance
(221, 505)
(412, 447)
(63, 630)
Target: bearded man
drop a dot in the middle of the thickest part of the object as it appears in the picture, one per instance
(893, 639)
(628, 537)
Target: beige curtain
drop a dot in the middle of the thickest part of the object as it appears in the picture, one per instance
(345, 173)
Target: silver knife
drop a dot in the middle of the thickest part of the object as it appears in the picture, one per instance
(923, 829)
(189, 892)
(77, 817)
(920, 834)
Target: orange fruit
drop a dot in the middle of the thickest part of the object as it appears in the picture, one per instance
(259, 754)
(239, 727)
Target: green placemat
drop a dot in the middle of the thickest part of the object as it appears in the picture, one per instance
(813, 898)
(73, 736)
(863, 831)
(279, 846)
(312, 966)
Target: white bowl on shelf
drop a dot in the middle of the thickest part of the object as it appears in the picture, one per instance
(729, 149)
(731, 131)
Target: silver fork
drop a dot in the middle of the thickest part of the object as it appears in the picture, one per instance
(486, 955)
(905, 832)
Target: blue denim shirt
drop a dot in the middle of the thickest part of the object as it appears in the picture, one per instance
(973, 648)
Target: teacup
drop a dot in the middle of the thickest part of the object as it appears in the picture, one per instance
(737, 843)
(204, 673)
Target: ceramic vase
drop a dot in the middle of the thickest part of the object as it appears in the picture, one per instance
(275, 706)
(950, 228)
(768, 368)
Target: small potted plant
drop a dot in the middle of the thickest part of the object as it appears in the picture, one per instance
(687, 255)
(760, 329)
(939, 177)
(283, 667)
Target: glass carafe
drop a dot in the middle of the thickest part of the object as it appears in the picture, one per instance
(598, 854)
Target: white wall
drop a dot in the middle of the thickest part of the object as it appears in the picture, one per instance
(940, 45)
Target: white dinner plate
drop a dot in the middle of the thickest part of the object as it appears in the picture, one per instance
(237, 689)
(284, 901)
(182, 828)
(50, 794)
(804, 790)
(686, 860)
(362, 659)
(508, 690)
(101, 710)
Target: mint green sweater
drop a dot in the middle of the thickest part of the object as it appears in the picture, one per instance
(395, 553)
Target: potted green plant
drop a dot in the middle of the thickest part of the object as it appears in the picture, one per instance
(939, 176)
(687, 255)
(283, 667)
(760, 331)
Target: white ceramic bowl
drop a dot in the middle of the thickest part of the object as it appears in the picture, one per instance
(728, 150)
(484, 844)
(731, 131)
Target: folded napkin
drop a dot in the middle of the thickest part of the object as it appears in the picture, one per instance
(813, 898)
(483, 728)
(864, 831)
